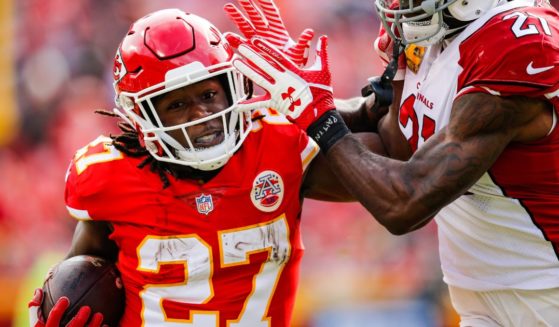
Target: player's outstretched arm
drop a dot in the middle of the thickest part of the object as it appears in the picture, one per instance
(361, 114)
(364, 115)
(321, 183)
(404, 195)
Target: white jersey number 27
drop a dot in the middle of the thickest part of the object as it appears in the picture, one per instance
(196, 256)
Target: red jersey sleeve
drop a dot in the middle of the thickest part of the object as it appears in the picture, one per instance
(287, 132)
(98, 174)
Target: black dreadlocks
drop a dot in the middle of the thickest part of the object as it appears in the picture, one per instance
(129, 144)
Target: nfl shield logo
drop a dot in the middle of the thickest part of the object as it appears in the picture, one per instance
(204, 204)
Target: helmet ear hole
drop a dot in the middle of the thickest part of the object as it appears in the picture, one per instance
(429, 6)
(468, 10)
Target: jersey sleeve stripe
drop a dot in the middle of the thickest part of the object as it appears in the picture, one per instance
(79, 214)
(476, 89)
(524, 84)
(553, 94)
(309, 153)
(553, 122)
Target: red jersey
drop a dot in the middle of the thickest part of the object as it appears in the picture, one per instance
(221, 253)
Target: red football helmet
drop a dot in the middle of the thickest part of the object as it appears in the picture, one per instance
(167, 50)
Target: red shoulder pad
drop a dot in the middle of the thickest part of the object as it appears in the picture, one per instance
(98, 174)
(514, 53)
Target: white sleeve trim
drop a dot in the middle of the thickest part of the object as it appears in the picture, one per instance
(479, 88)
(552, 94)
(309, 153)
(553, 123)
(79, 214)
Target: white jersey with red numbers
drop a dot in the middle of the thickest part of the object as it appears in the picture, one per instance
(504, 233)
(221, 253)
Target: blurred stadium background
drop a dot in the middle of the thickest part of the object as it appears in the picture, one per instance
(56, 65)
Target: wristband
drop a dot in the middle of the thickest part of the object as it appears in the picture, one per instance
(328, 129)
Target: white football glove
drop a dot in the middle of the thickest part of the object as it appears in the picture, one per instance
(302, 95)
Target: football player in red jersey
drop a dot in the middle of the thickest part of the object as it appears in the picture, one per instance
(478, 112)
(198, 203)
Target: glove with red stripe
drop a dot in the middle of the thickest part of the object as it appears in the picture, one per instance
(266, 23)
(304, 95)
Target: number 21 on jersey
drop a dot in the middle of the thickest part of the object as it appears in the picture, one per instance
(410, 120)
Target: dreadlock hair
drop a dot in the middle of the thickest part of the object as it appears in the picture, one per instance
(129, 144)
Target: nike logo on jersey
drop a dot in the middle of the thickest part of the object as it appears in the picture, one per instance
(531, 70)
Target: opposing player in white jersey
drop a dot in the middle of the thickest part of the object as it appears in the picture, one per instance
(478, 109)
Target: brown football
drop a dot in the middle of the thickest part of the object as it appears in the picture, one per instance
(85, 280)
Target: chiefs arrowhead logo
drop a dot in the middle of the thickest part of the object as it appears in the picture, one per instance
(119, 68)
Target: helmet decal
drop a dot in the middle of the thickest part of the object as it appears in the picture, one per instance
(119, 68)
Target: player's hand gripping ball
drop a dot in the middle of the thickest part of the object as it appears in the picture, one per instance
(85, 281)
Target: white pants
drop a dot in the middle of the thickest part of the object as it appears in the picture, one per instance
(506, 308)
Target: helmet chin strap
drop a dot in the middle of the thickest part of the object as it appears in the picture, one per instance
(203, 159)
(224, 147)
